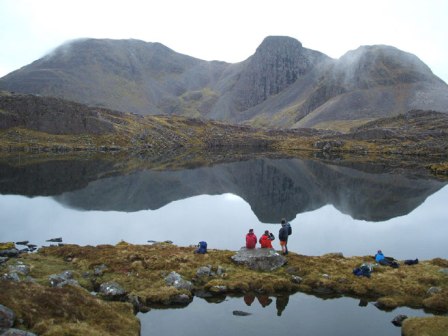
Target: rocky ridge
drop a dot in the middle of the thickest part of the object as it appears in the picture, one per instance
(283, 84)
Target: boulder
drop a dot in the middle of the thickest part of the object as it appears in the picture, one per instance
(11, 277)
(99, 270)
(7, 317)
(240, 313)
(10, 253)
(398, 320)
(260, 259)
(62, 279)
(17, 332)
(175, 279)
(112, 291)
(203, 271)
(3, 260)
(20, 268)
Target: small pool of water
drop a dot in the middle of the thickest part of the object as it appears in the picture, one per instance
(298, 314)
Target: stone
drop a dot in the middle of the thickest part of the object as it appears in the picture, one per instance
(62, 279)
(99, 270)
(7, 317)
(203, 271)
(175, 279)
(112, 291)
(55, 240)
(17, 332)
(296, 279)
(433, 290)
(220, 271)
(11, 277)
(3, 260)
(240, 313)
(19, 268)
(24, 242)
(10, 253)
(444, 271)
(259, 259)
(181, 299)
(398, 320)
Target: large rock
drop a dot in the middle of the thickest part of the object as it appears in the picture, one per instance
(260, 259)
(7, 317)
(17, 332)
(112, 291)
(62, 279)
(176, 280)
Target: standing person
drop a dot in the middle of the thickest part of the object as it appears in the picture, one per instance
(265, 239)
(283, 237)
(251, 239)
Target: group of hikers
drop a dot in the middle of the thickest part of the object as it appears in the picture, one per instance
(267, 238)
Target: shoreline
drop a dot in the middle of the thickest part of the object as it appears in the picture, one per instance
(137, 277)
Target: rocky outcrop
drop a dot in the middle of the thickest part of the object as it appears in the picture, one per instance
(259, 259)
(277, 63)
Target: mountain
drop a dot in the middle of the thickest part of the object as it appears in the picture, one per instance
(282, 84)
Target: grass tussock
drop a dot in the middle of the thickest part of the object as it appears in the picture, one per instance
(425, 326)
(66, 311)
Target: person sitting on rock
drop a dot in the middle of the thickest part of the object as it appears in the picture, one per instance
(266, 239)
(251, 239)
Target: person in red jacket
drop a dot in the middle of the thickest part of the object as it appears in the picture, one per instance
(251, 239)
(265, 239)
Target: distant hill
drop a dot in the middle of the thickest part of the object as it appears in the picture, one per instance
(282, 84)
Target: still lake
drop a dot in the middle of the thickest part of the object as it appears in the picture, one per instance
(353, 209)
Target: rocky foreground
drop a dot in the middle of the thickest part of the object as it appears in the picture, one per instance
(97, 290)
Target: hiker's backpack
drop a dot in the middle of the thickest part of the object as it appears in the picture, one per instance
(202, 247)
(289, 229)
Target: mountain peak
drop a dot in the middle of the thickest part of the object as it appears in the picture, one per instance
(278, 44)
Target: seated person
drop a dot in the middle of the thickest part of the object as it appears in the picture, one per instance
(251, 239)
(266, 239)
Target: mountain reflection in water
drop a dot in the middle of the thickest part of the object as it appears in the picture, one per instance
(353, 210)
(273, 188)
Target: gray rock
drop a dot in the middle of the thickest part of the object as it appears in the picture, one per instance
(10, 253)
(11, 277)
(398, 320)
(19, 268)
(444, 271)
(240, 313)
(220, 271)
(17, 332)
(99, 270)
(433, 290)
(55, 240)
(175, 279)
(63, 278)
(24, 242)
(181, 299)
(7, 317)
(203, 271)
(112, 291)
(296, 279)
(260, 259)
(3, 260)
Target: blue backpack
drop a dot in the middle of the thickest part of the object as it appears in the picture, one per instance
(202, 247)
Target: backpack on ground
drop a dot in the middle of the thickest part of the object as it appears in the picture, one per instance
(202, 247)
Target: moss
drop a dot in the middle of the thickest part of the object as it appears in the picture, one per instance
(68, 310)
(7, 246)
(425, 326)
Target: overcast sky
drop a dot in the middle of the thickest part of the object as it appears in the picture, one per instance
(227, 30)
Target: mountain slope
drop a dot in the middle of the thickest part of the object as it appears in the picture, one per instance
(282, 85)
